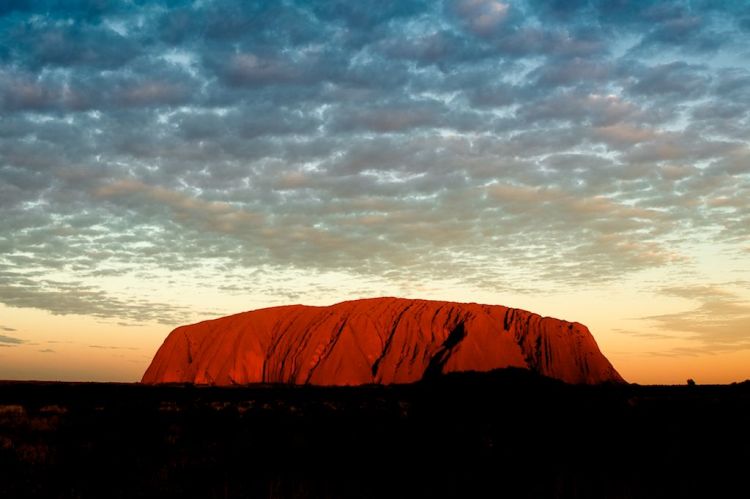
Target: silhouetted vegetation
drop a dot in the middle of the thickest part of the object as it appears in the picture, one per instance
(503, 434)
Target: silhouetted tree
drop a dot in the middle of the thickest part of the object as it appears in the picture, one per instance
(691, 382)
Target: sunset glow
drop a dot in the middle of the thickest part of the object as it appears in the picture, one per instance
(167, 163)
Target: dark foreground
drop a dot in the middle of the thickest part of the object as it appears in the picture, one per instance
(505, 434)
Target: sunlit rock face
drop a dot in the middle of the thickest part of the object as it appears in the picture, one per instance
(380, 340)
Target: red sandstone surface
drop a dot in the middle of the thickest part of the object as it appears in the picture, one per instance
(380, 340)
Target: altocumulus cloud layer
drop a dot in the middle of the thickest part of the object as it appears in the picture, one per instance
(502, 144)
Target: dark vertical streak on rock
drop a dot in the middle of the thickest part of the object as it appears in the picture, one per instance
(388, 341)
(435, 366)
(508, 319)
(189, 349)
(325, 353)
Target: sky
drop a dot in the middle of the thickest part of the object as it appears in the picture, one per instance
(163, 163)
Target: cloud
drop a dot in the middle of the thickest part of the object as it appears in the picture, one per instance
(689, 81)
(112, 347)
(207, 216)
(503, 145)
(482, 17)
(721, 321)
(77, 298)
(9, 340)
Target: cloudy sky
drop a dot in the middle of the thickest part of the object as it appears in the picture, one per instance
(164, 163)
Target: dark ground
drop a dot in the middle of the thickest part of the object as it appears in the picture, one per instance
(503, 434)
